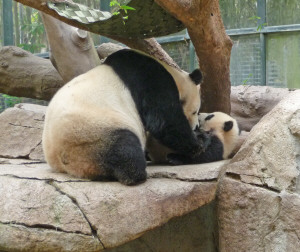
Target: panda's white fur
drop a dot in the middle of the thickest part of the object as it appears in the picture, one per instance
(224, 127)
(189, 96)
(95, 125)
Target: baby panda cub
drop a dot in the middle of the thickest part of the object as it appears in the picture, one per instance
(221, 132)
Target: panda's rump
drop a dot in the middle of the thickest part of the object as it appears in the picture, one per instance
(87, 145)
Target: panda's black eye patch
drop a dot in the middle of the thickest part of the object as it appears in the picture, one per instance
(209, 117)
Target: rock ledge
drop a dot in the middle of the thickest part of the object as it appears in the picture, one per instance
(46, 211)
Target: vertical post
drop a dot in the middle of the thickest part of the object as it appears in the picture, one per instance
(262, 13)
(8, 29)
(104, 6)
(192, 57)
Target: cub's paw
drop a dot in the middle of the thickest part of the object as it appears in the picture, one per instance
(176, 159)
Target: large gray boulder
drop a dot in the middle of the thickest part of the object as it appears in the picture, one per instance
(250, 103)
(259, 201)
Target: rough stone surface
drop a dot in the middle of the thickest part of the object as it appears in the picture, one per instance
(196, 231)
(21, 132)
(250, 103)
(270, 157)
(38, 206)
(14, 237)
(106, 49)
(256, 219)
(258, 197)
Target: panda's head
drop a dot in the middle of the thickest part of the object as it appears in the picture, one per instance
(224, 127)
(189, 92)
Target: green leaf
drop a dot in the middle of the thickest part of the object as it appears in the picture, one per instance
(254, 18)
(125, 7)
(113, 3)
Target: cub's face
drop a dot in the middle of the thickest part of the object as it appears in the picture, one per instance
(220, 124)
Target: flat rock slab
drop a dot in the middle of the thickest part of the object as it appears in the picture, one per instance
(47, 211)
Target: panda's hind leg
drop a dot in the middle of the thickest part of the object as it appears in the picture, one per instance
(125, 158)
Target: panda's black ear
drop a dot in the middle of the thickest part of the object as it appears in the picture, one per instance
(228, 126)
(196, 76)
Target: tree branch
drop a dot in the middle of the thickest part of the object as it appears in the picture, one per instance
(149, 46)
(72, 50)
(25, 75)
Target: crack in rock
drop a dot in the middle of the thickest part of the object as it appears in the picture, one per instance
(43, 179)
(93, 230)
(169, 175)
(237, 177)
(24, 126)
(43, 226)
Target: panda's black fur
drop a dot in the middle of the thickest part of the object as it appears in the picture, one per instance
(155, 98)
(95, 126)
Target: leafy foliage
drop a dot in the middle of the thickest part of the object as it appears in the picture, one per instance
(34, 29)
(120, 6)
(259, 26)
(9, 101)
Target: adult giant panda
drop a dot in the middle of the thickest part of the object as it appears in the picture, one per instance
(95, 126)
(221, 137)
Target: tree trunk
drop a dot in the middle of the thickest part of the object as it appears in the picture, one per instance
(72, 50)
(213, 47)
(16, 23)
(25, 75)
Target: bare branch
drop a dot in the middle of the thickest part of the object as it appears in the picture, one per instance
(72, 50)
(25, 75)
